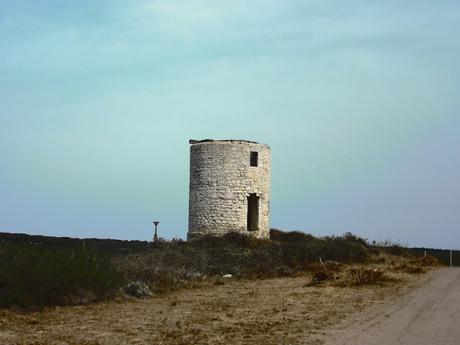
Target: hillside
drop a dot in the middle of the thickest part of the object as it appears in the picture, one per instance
(40, 270)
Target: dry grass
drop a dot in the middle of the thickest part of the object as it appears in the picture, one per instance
(66, 271)
(349, 276)
(214, 310)
(242, 311)
(415, 265)
(409, 268)
(381, 268)
(360, 276)
(327, 272)
(429, 261)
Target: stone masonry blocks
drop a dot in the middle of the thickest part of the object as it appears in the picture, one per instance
(221, 180)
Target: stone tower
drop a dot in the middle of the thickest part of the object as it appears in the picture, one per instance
(229, 188)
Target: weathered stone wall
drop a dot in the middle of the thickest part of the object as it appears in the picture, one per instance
(221, 179)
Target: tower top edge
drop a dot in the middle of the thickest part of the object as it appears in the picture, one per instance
(236, 141)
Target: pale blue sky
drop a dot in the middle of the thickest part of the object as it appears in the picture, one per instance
(358, 100)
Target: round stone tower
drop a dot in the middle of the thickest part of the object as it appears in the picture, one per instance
(229, 188)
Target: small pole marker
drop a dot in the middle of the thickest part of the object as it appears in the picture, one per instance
(155, 235)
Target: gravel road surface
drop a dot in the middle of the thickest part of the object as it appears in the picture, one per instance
(428, 314)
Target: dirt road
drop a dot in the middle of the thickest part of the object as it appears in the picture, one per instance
(282, 311)
(429, 314)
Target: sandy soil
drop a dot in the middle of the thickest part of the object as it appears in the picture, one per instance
(272, 311)
(429, 314)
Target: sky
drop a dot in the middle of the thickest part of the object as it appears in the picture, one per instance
(358, 100)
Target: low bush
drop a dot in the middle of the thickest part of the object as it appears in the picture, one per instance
(361, 276)
(170, 265)
(35, 271)
(346, 248)
(290, 236)
(338, 275)
(324, 273)
(416, 265)
(31, 275)
(409, 268)
(429, 261)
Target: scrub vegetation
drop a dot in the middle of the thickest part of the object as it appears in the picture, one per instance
(37, 275)
(40, 271)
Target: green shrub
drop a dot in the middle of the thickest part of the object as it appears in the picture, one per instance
(348, 248)
(42, 271)
(169, 265)
(290, 236)
(31, 275)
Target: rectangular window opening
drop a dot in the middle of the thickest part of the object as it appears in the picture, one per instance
(254, 158)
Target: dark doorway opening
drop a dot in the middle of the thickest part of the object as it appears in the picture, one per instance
(253, 212)
(254, 159)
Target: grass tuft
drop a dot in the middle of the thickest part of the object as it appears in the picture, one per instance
(360, 276)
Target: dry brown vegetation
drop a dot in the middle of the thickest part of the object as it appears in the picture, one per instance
(286, 310)
(39, 271)
(283, 291)
(381, 267)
